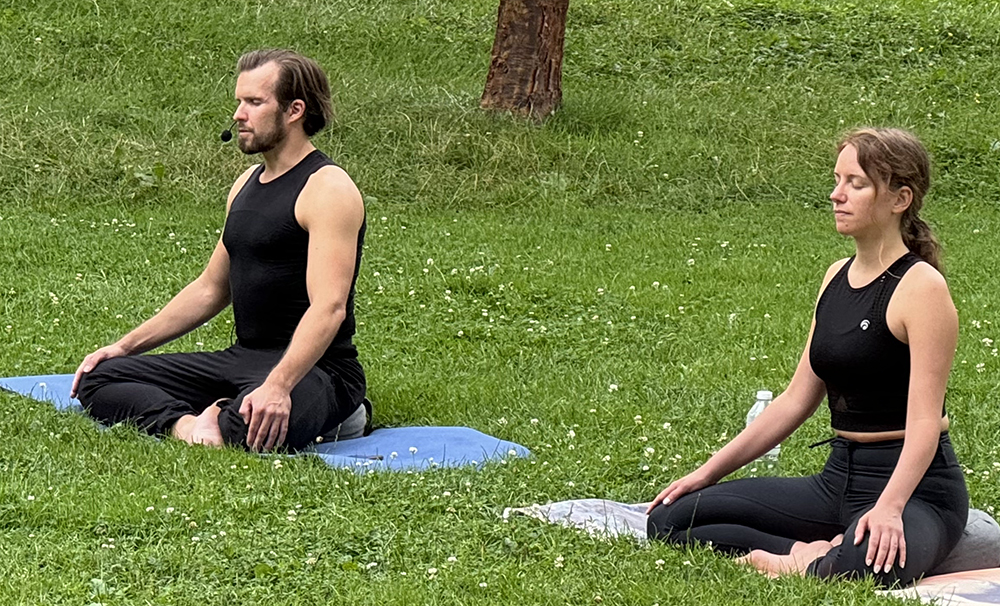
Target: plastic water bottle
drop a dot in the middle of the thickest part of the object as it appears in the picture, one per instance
(764, 397)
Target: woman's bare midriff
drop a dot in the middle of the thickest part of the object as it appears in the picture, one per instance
(880, 436)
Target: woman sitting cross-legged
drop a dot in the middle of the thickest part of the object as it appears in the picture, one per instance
(891, 501)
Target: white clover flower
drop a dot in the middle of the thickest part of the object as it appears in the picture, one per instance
(512, 453)
(612, 388)
(432, 571)
(195, 539)
(638, 419)
(483, 585)
(606, 458)
(571, 434)
(150, 508)
(452, 559)
(650, 450)
(413, 450)
(393, 455)
(559, 562)
(534, 421)
(659, 564)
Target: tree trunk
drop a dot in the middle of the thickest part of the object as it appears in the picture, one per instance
(526, 66)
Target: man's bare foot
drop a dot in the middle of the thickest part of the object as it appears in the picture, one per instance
(796, 562)
(183, 427)
(206, 430)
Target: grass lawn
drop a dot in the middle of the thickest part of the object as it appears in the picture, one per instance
(665, 233)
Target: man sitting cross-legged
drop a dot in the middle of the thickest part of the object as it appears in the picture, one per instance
(287, 260)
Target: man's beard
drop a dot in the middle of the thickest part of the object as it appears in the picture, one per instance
(259, 143)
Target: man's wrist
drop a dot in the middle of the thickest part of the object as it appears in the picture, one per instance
(124, 347)
(279, 382)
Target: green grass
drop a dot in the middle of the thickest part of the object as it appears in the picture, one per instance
(696, 139)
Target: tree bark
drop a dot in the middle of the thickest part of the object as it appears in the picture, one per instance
(525, 74)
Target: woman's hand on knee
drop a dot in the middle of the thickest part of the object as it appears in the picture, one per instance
(885, 541)
(696, 480)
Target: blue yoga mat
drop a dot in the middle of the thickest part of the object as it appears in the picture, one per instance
(404, 448)
(395, 449)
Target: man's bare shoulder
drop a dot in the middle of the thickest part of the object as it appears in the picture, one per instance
(330, 193)
(238, 185)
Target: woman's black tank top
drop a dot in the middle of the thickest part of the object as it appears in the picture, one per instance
(865, 367)
(268, 250)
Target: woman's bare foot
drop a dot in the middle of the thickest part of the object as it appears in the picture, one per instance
(796, 562)
(770, 564)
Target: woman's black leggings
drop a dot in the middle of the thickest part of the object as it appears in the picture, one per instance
(773, 513)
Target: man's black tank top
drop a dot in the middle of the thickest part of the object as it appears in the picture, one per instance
(865, 367)
(268, 250)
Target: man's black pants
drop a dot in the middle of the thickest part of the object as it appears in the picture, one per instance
(154, 391)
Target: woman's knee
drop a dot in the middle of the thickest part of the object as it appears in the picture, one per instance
(669, 522)
(849, 561)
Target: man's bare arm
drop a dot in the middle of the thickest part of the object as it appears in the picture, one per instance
(331, 210)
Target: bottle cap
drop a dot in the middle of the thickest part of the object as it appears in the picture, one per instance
(764, 395)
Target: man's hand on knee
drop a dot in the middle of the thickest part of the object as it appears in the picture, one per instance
(266, 410)
(91, 361)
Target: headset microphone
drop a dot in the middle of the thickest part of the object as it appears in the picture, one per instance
(227, 134)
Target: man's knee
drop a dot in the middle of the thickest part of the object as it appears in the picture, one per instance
(104, 373)
(231, 424)
(234, 429)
